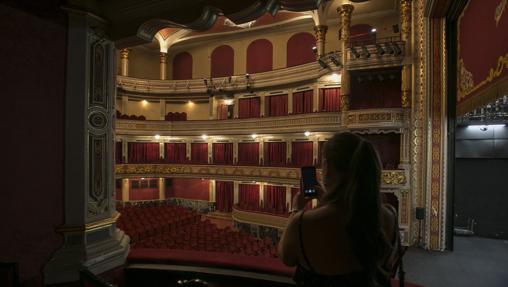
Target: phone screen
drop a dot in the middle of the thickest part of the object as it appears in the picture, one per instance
(309, 181)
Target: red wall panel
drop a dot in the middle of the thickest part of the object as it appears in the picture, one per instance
(182, 66)
(299, 49)
(259, 56)
(222, 61)
(361, 34)
(189, 188)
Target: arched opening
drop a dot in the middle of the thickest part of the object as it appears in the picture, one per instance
(182, 66)
(259, 56)
(299, 49)
(222, 62)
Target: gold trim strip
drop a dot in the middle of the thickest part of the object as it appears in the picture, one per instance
(89, 226)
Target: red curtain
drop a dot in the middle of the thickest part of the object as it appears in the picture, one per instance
(377, 89)
(224, 196)
(143, 152)
(222, 112)
(248, 153)
(145, 189)
(275, 154)
(199, 153)
(182, 66)
(275, 199)
(302, 102)
(189, 188)
(388, 148)
(361, 35)
(301, 154)
(175, 152)
(299, 49)
(259, 56)
(222, 61)
(118, 189)
(276, 106)
(248, 196)
(223, 153)
(118, 152)
(321, 146)
(249, 108)
(329, 100)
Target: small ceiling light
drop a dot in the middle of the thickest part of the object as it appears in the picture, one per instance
(204, 137)
(157, 136)
(142, 178)
(306, 133)
(228, 102)
(190, 102)
(253, 136)
(144, 102)
(373, 30)
(314, 50)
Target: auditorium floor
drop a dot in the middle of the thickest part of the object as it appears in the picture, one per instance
(474, 262)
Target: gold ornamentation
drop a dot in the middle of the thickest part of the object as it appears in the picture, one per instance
(320, 31)
(405, 99)
(466, 82)
(345, 11)
(393, 177)
(405, 19)
(499, 11)
(124, 54)
(164, 58)
(344, 103)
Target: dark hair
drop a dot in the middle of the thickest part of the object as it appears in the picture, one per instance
(358, 193)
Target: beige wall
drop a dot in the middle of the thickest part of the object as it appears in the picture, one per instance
(143, 63)
(151, 110)
(195, 111)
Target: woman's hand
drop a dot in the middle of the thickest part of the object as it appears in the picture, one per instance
(298, 201)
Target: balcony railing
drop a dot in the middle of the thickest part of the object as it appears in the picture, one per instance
(385, 52)
(324, 121)
(258, 218)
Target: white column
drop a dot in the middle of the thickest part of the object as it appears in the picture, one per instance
(261, 151)
(212, 190)
(235, 151)
(289, 147)
(261, 193)
(163, 110)
(124, 103)
(124, 62)
(290, 102)
(125, 189)
(163, 65)
(262, 99)
(236, 191)
(188, 149)
(236, 101)
(315, 99)
(161, 150)
(125, 151)
(288, 196)
(315, 150)
(210, 152)
(162, 188)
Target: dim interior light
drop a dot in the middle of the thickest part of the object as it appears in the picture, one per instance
(306, 133)
(228, 102)
(204, 137)
(373, 30)
(144, 102)
(488, 126)
(254, 136)
(157, 136)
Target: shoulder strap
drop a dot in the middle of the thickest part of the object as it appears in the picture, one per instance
(300, 221)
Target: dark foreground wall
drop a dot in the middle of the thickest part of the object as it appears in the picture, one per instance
(32, 77)
(481, 181)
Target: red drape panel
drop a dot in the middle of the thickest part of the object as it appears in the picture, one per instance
(222, 112)
(302, 102)
(361, 35)
(118, 152)
(276, 106)
(175, 152)
(146, 189)
(248, 153)
(143, 152)
(388, 147)
(189, 188)
(301, 154)
(223, 153)
(275, 199)
(275, 154)
(379, 90)
(299, 49)
(249, 108)
(259, 56)
(199, 153)
(224, 196)
(248, 196)
(222, 61)
(329, 100)
(182, 66)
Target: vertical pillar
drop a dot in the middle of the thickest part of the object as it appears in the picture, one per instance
(125, 189)
(345, 11)
(210, 152)
(212, 190)
(289, 147)
(162, 188)
(236, 192)
(163, 110)
(315, 99)
(261, 194)
(235, 107)
(163, 65)
(124, 104)
(91, 239)
(405, 20)
(288, 196)
(124, 62)
(125, 151)
(188, 149)
(262, 108)
(320, 31)
(212, 104)
(261, 151)
(315, 150)
(235, 151)
(161, 150)
(405, 144)
(290, 102)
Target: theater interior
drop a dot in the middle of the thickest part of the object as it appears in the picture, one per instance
(155, 142)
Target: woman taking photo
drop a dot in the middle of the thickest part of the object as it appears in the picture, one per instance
(350, 237)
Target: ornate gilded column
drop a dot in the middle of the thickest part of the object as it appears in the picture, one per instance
(125, 189)
(320, 31)
(163, 65)
(405, 20)
(124, 62)
(345, 11)
(162, 188)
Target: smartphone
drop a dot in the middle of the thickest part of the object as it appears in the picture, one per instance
(309, 181)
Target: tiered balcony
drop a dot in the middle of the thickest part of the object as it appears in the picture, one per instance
(385, 52)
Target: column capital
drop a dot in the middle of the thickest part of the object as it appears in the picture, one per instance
(320, 31)
(345, 10)
(124, 53)
(163, 57)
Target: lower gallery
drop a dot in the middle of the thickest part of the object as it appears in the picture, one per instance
(166, 140)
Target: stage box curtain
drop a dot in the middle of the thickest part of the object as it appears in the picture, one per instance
(118, 152)
(276, 106)
(147, 189)
(223, 153)
(248, 196)
(249, 108)
(275, 154)
(275, 199)
(370, 92)
(388, 148)
(329, 100)
(301, 154)
(302, 102)
(175, 152)
(199, 153)
(222, 112)
(248, 153)
(143, 152)
(224, 196)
